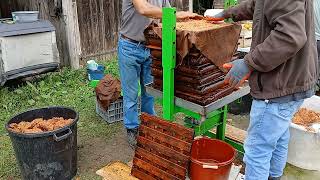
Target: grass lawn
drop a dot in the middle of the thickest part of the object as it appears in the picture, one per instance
(64, 88)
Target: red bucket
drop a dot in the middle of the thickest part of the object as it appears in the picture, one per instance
(211, 159)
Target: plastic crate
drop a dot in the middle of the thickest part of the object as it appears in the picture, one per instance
(114, 113)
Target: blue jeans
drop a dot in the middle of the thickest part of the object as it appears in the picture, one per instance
(135, 66)
(266, 146)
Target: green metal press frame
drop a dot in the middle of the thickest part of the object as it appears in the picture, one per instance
(213, 119)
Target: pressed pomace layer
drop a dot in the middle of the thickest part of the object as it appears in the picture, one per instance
(197, 25)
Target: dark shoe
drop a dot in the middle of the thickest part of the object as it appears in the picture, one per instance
(132, 137)
(274, 178)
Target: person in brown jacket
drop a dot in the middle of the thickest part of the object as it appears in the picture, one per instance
(282, 70)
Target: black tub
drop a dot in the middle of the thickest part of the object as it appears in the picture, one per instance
(49, 155)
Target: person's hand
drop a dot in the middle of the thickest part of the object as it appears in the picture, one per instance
(188, 15)
(239, 72)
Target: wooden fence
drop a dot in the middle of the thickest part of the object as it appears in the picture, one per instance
(99, 22)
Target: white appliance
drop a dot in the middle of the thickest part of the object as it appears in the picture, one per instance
(27, 49)
(304, 146)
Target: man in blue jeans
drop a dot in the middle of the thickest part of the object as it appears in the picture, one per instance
(134, 58)
(282, 69)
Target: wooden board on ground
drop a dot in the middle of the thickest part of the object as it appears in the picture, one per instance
(121, 171)
(234, 133)
(116, 171)
(163, 149)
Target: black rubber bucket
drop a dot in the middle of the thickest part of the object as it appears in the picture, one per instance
(49, 155)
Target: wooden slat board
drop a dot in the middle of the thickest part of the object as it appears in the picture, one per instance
(157, 172)
(171, 167)
(137, 172)
(176, 143)
(166, 127)
(163, 150)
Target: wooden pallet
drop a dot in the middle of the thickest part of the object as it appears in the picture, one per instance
(163, 150)
(234, 133)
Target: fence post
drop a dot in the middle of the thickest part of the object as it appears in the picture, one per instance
(69, 9)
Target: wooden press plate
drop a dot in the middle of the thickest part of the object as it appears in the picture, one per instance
(163, 149)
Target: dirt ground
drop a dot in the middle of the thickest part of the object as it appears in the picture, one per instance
(95, 153)
(98, 152)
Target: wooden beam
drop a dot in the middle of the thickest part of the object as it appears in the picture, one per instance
(69, 9)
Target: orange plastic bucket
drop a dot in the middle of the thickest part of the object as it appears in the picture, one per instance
(211, 159)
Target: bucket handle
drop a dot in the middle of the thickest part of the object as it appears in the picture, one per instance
(205, 166)
(65, 136)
